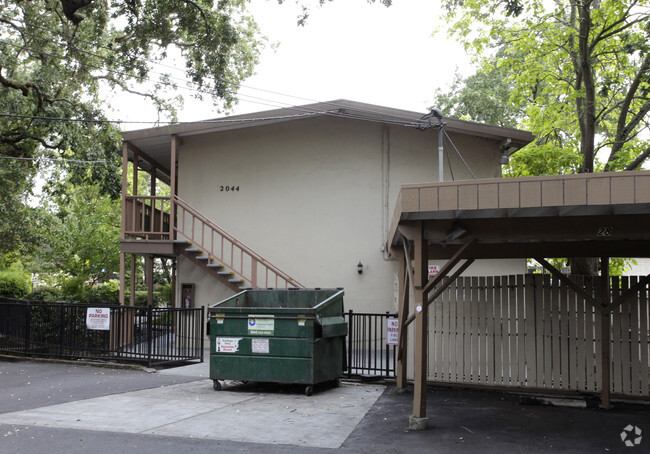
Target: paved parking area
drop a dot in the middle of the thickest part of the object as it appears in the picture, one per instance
(68, 408)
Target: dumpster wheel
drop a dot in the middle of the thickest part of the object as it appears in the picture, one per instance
(309, 390)
(216, 385)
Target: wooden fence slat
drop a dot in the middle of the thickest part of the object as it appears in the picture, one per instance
(513, 369)
(482, 330)
(550, 351)
(635, 344)
(446, 336)
(499, 358)
(563, 320)
(581, 343)
(572, 321)
(644, 336)
(626, 358)
(521, 331)
(616, 339)
(491, 335)
(531, 332)
(456, 343)
(540, 340)
(473, 334)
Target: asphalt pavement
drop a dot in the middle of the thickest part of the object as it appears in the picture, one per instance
(53, 407)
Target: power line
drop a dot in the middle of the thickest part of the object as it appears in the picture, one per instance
(214, 121)
(80, 161)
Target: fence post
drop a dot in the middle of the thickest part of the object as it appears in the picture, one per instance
(350, 340)
(385, 343)
(28, 328)
(202, 330)
(61, 328)
(149, 334)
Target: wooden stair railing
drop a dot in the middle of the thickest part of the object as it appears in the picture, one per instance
(217, 248)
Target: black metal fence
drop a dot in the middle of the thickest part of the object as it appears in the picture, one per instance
(368, 352)
(145, 335)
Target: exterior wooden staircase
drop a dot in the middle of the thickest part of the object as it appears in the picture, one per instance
(148, 225)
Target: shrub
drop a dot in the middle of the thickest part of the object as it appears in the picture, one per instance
(45, 294)
(14, 284)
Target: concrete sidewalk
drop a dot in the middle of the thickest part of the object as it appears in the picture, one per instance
(63, 408)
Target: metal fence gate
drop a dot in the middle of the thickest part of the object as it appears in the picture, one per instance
(368, 353)
(146, 335)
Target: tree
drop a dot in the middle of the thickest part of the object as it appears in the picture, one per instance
(80, 235)
(60, 60)
(578, 70)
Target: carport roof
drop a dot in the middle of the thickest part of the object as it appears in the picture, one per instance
(584, 215)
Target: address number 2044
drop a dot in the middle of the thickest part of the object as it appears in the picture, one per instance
(229, 188)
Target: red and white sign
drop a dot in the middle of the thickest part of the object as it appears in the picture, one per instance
(392, 331)
(98, 318)
(227, 344)
(433, 270)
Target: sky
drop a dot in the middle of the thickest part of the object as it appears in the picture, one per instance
(349, 49)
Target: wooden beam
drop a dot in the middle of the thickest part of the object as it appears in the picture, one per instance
(173, 188)
(402, 312)
(451, 263)
(630, 292)
(421, 329)
(575, 287)
(122, 278)
(605, 334)
(132, 286)
(149, 278)
(458, 272)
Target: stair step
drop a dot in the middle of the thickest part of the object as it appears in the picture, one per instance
(225, 273)
(214, 265)
(234, 281)
(203, 257)
(194, 250)
(182, 242)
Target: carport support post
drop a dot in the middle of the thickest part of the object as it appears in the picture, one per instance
(403, 310)
(419, 418)
(605, 336)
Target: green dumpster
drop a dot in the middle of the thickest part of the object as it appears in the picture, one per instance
(281, 336)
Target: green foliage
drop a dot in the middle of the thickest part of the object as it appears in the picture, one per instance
(577, 72)
(44, 294)
(481, 97)
(14, 283)
(60, 65)
(80, 239)
(104, 293)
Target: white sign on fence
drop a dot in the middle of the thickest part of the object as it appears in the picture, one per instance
(392, 331)
(98, 318)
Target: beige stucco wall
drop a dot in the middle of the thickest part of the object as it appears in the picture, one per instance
(316, 197)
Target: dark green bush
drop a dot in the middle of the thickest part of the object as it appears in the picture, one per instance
(14, 284)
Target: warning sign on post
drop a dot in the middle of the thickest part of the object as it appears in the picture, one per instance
(98, 318)
(392, 331)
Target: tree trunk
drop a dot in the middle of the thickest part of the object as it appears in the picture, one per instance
(584, 266)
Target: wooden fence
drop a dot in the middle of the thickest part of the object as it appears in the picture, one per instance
(532, 331)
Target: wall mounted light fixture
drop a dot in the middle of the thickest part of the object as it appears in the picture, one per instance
(360, 267)
(456, 231)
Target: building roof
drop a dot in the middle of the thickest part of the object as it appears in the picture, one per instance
(155, 142)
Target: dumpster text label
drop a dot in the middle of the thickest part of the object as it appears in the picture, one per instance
(227, 344)
(260, 345)
(261, 324)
